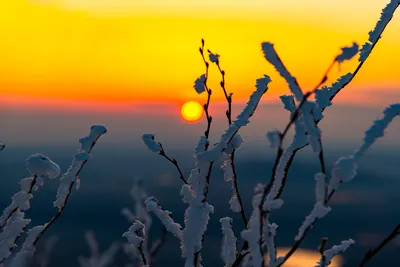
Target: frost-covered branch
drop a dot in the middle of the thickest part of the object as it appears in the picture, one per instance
(136, 236)
(344, 170)
(328, 255)
(164, 216)
(235, 202)
(69, 178)
(12, 220)
(229, 242)
(96, 259)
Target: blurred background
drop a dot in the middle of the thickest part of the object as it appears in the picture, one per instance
(130, 65)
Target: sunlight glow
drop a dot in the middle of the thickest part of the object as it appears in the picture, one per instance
(191, 111)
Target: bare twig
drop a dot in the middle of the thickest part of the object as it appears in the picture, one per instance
(372, 252)
(209, 92)
(174, 162)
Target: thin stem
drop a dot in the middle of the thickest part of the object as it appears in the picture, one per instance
(60, 211)
(209, 92)
(160, 243)
(372, 252)
(236, 188)
(174, 162)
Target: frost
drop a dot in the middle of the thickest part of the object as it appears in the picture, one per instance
(79, 159)
(274, 138)
(234, 144)
(199, 84)
(365, 51)
(150, 143)
(319, 211)
(330, 253)
(229, 242)
(320, 192)
(214, 57)
(235, 204)
(164, 216)
(41, 165)
(25, 255)
(135, 234)
(348, 52)
(13, 228)
(269, 236)
(386, 16)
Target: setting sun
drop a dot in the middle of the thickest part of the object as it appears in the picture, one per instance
(191, 111)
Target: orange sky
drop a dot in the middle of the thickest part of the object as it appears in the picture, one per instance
(147, 50)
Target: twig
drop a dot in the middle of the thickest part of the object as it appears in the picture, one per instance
(159, 244)
(174, 162)
(209, 92)
(372, 252)
(324, 241)
(60, 211)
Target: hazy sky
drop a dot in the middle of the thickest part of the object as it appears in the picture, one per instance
(117, 51)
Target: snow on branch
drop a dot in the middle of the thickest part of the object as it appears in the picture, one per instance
(80, 158)
(345, 168)
(24, 257)
(229, 242)
(12, 220)
(164, 216)
(150, 143)
(330, 253)
(375, 34)
(136, 236)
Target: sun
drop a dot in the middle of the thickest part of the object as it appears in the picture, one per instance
(191, 111)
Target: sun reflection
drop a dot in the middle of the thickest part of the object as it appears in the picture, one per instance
(305, 258)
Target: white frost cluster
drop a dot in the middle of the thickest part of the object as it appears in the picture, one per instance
(324, 95)
(269, 235)
(330, 253)
(199, 84)
(41, 165)
(229, 242)
(135, 234)
(374, 35)
(164, 216)
(150, 143)
(25, 255)
(214, 57)
(348, 52)
(13, 228)
(252, 234)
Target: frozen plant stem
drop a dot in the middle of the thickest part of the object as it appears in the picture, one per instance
(209, 92)
(174, 162)
(229, 117)
(87, 144)
(372, 252)
(17, 208)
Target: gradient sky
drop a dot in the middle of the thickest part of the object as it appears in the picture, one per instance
(120, 51)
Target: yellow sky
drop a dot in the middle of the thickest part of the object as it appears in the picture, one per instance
(147, 50)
